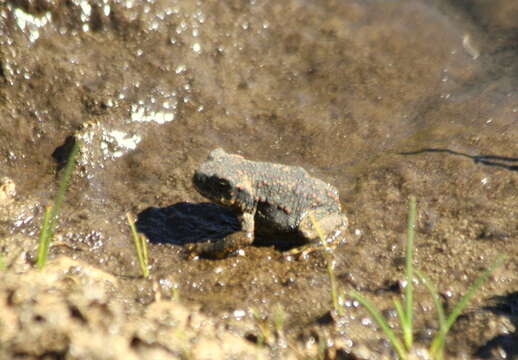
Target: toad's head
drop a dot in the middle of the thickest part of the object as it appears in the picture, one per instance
(220, 178)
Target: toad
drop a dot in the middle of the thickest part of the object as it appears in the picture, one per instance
(268, 198)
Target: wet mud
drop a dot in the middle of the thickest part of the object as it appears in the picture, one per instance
(381, 99)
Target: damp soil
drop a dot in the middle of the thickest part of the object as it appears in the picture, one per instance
(382, 99)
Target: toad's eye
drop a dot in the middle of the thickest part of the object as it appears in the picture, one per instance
(222, 184)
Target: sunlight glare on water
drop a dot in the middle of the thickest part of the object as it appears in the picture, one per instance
(30, 23)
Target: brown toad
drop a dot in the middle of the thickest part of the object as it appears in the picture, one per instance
(268, 198)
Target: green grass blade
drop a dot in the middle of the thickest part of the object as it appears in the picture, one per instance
(322, 345)
(52, 212)
(409, 270)
(382, 323)
(143, 245)
(334, 289)
(330, 270)
(263, 335)
(63, 184)
(45, 235)
(403, 321)
(145, 265)
(471, 291)
(175, 293)
(136, 240)
(279, 317)
(400, 312)
(437, 346)
(436, 299)
(140, 247)
(406, 328)
(317, 228)
(2, 262)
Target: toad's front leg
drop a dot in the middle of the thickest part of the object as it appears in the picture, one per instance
(229, 244)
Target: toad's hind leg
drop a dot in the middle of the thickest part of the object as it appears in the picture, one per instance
(321, 230)
(229, 244)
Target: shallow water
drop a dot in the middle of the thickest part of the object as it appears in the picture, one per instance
(382, 99)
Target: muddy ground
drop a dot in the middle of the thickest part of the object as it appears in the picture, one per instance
(382, 99)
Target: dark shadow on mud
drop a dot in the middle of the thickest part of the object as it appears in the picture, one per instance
(508, 163)
(62, 153)
(184, 223)
(505, 306)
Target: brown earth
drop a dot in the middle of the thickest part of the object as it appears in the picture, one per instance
(382, 99)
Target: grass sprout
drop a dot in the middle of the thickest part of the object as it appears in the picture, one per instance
(404, 348)
(175, 293)
(445, 323)
(279, 316)
(45, 237)
(52, 211)
(140, 247)
(335, 297)
(265, 335)
(2, 262)
(322, 347)
(405, 315)
(330, 264)
(397, 345)
(271, 327)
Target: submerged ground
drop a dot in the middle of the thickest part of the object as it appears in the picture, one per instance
(382, 99)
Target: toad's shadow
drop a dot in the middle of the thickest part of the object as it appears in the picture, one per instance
(507, 306)
(184, 223)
